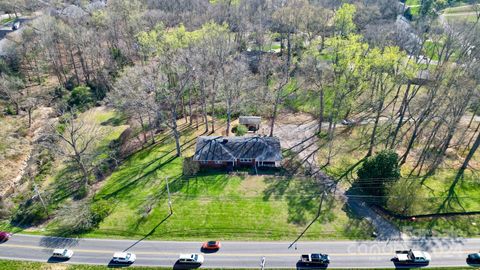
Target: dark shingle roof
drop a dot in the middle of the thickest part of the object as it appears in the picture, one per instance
(215, 148)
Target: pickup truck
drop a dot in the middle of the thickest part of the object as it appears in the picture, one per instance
(313, 259)
(411, 257)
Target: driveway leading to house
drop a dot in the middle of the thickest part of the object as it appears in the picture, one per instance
(351, 254)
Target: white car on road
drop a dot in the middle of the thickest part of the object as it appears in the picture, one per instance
(191, 258)
(123, 257)
(62, 253)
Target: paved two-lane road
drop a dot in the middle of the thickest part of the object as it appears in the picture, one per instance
(361, 254)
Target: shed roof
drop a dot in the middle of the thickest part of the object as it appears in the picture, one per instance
(215, 148)
(250, 120)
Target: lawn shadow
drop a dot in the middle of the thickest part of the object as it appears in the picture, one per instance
(303, 266)
(149, 233)
(357, 227)
(115, 121)
(179, 265)
(57, 260)
(141, 170)
(409, 266)
(112, 264)
(67, 183)
(209, 251)
(133, 183)
(302, 195)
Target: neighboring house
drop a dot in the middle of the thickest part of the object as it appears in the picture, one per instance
(217, 151)
(251, 122)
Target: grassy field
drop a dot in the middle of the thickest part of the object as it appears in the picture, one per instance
(460, 9)
(213, 204)
(412, 2)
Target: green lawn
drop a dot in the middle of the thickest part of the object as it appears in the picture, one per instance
(459, 9)
(6, 20)
(412, 2)
(214, 204)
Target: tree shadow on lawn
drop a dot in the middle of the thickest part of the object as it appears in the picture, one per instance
(356, 227)
(66, 184)
(127, 186)
(149, 233)
(140, 169)
(302, 195)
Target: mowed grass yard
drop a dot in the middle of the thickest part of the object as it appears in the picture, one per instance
(214, 204)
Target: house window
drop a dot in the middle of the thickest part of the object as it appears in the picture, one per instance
(246, 159)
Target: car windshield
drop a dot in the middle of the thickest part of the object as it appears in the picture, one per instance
(195, 257)
(64, 252)
(128, 256)
(212, 243)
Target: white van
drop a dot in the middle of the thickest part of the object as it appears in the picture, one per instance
(191, 258)
(62, 253)
(123, 257)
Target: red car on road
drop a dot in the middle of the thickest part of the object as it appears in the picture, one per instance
(211, 245)
(4, 236)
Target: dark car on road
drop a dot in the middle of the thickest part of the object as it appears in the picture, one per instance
(4, 236)
(313, 260)
(473, 259)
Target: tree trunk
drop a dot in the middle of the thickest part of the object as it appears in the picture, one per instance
(190, 106)
(402, 111)
(184, 110)
(176, 135)
(213, 112)
(229, 113)
(30, 117)
(74, 66)
(142, 124)
(375, 125)
(204, 106)
(321, 112)
(275, 111)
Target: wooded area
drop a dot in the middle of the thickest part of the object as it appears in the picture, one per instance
(359, 67)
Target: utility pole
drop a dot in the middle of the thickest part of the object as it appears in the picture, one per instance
(35, 188)
(169, 198)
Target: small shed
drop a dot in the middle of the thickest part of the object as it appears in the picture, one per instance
(423, 77)
(251, 122)
(218, 151)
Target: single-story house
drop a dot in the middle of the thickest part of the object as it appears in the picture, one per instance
(251, 122)
(218, 151)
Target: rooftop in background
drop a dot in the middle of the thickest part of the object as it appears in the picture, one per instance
(250, 120)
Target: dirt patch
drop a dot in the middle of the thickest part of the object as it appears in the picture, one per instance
(19, 141)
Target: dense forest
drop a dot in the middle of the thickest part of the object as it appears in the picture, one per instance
(376, 79)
